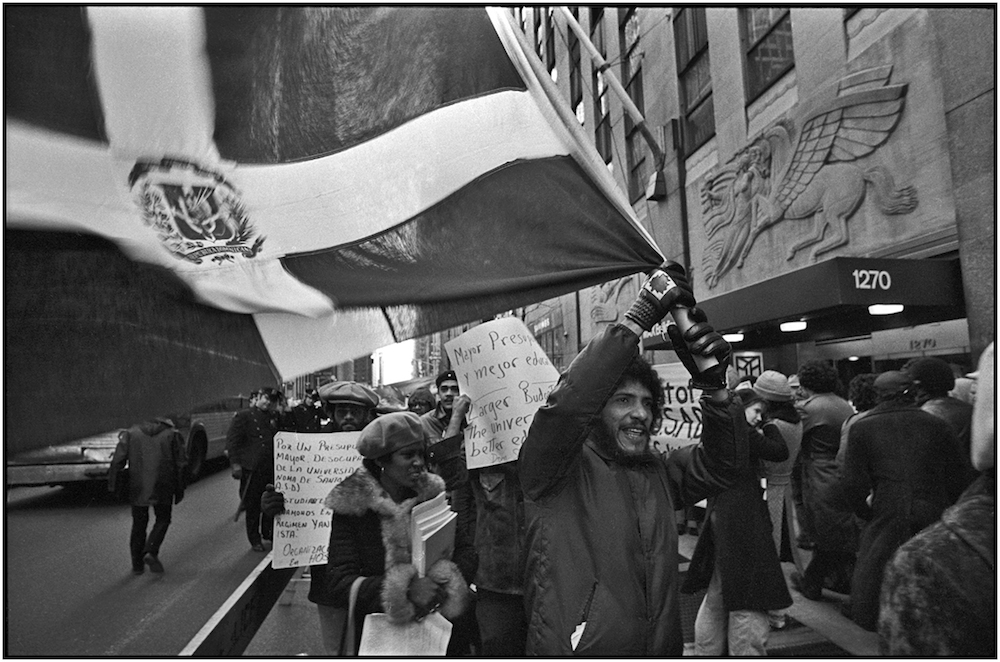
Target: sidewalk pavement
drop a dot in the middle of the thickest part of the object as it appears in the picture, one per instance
(816, 628)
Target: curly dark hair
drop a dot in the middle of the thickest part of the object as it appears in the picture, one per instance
(819, 377)
(861, 391)
(640, 371)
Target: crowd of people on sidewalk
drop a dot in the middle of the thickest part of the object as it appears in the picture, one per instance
(573, 547)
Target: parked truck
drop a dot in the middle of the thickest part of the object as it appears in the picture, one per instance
(88, 459)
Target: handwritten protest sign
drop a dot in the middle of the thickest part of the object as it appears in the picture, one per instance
(306, 468)
(507, 376)
(681, 411)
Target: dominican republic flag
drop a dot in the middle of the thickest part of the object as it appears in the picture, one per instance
(200, 201)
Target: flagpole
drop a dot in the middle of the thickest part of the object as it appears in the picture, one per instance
(602, 65)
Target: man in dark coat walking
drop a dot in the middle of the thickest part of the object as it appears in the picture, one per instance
(905, 459)
(154, 452)
(601, 575)
(250, 445)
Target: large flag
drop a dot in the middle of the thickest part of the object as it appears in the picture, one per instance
(268, 191)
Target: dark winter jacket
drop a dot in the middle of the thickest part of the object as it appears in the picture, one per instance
(250, 439)
(738, 536)
(497, 514)
(939, 593)
(601, 540)
(369, 537)
(958, 415)
(834, 526)
(156, 459)
(906, 457)
(306, 418)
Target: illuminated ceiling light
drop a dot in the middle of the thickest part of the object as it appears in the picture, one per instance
(732, 337)
(852, 358)
(885, 308)
(787, 327)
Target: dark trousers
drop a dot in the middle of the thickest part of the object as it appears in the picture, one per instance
(503, 625)
(259, 525)
(139, 544)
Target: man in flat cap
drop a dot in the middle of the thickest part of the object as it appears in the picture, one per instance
(250, 447)
(905, 459)
(352, 407)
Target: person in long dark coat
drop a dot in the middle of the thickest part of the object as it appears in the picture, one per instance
(905, 459)
(735, 557)
(154, 452)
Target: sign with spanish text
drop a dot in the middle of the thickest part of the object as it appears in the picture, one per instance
(681, 424)
(306, 468)
(508, 376)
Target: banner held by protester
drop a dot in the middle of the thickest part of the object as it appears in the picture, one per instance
(507, 375)
(306, 468)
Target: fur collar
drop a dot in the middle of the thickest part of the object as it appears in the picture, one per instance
(361, 492)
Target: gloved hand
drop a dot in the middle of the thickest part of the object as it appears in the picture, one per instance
(272, 503)
(237, 471)
(665, 288)
(425, 594)
(704, 340)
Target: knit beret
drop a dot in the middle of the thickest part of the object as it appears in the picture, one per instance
(348, 393)
(773, 386)
(892, 382)
(932, 373)
(389, 433)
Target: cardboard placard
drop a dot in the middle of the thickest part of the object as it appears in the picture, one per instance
(681, 412)
(508, 376)
(306, 467)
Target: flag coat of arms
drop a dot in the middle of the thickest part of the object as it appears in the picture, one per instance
(223, 195)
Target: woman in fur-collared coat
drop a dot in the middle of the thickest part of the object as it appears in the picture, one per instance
(370, 532)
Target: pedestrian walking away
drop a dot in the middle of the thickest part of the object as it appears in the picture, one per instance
(156, 459)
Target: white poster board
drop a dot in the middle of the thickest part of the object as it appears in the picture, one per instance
(306, 468)
(681, 412)
(507, 376)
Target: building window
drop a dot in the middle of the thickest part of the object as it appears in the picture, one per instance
(635, 148)
(768, 40)
(602, 111)
(575, 72)
(691, 41)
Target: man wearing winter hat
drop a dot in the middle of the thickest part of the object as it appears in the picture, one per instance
(932, 379)
(917, 450)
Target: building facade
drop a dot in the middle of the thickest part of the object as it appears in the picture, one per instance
(809, 163)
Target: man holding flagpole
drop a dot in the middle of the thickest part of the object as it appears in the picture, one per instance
(601, 576)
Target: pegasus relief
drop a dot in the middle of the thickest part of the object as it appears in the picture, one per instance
(767, 182)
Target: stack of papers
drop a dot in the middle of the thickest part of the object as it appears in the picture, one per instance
(432, 532)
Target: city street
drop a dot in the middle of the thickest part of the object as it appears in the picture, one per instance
(69, 586)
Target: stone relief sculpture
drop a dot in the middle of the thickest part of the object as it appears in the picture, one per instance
(767, 182)
(604, 301)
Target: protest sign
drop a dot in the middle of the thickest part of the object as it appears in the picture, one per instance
(507, 376)
(681, 412)
(306, 468)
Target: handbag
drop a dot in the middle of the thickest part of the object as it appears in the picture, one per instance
(342, 623)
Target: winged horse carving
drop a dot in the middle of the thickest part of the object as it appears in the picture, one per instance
(762, 185)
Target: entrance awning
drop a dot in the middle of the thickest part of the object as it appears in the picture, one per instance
(832, 297)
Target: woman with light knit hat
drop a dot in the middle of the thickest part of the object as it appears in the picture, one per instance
(773, 387)
(370, 531)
